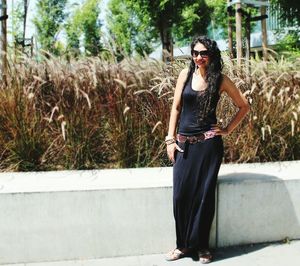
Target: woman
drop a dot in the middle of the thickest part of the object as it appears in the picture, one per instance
(197, 149)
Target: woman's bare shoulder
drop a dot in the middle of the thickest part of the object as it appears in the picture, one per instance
(184, 71)
(225, 82)
(183, 74)
(225, 78)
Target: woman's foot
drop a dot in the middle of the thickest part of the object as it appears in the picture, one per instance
(177, 253)
(205, 256)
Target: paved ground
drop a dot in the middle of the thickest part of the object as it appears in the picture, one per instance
(270, 254)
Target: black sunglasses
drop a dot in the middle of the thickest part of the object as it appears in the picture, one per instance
(203, 53)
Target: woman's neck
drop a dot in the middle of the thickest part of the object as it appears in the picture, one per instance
(201, 71)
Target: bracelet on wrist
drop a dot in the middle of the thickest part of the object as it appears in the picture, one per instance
(170, 142)
(169, 138)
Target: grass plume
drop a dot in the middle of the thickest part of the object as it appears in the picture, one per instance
(95, 113)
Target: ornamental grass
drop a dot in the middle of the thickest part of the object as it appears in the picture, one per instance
(97, 113)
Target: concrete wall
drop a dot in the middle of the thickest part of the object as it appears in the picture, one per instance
(259, 203)
(92, 214)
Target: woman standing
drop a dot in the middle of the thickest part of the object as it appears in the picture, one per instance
(197, 149)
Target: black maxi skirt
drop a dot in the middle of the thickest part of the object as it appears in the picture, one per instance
(195, 175)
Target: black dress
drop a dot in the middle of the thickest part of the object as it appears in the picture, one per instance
(195, 173)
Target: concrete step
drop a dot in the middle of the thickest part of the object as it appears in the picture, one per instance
(267, 254)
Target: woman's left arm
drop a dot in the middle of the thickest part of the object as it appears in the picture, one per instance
(239, 100)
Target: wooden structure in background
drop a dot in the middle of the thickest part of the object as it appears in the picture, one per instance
(240, 13)
(24, 45)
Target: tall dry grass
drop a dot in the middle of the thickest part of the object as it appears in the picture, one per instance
(271, 130)
(96, 113)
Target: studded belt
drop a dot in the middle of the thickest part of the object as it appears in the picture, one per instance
(195, 138)
(187, 140)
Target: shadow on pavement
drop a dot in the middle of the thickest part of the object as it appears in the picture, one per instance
(236, 251)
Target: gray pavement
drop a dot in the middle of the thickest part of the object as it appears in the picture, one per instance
(268, 254)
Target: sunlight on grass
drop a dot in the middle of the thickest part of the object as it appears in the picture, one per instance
(94, 113)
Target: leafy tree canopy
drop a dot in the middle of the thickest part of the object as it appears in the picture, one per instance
(129, 30)
(141, 22)
(194, 20)
(48, 21)
(90, 25)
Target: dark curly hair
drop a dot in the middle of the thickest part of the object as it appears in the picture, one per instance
(213, 74)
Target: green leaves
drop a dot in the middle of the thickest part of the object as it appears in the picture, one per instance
(194, 21)
(136, 24)
(50, 15)
(90, 26)
(84, 22)
(129, 28)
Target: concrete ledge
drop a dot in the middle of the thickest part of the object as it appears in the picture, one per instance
(71, 215)
(259, 203)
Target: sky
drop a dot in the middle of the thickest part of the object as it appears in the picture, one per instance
(30, 27)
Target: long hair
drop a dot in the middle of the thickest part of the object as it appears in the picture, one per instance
(213, 73)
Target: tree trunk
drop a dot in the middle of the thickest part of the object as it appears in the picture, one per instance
(166, 40)
(264, 33)
(4, 40)
(248, 43)
(248, 36)
(31, 46)
(230, 43)
(239, 47)
(24, 22)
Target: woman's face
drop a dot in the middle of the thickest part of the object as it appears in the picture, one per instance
(200, 55)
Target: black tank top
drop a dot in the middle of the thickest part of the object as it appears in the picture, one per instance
(189, 123)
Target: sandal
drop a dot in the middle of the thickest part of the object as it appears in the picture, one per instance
(175, 254)
(205, 256)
